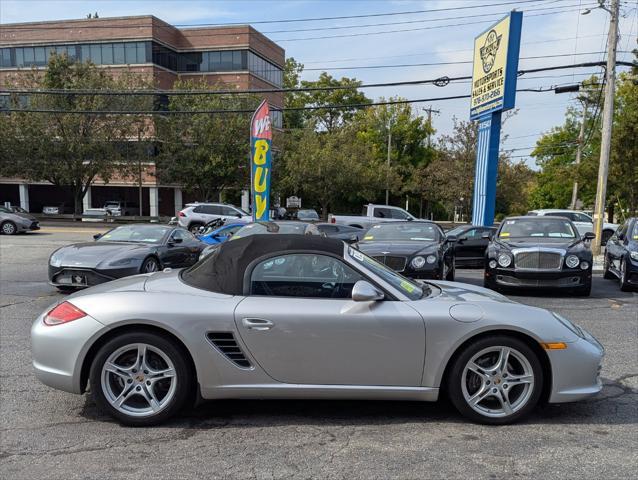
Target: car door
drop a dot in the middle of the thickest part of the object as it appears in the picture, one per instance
(177, 250)
(300, 324)
(583, 223)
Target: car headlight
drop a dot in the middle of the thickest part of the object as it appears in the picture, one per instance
(56, 259)
(504, 260)
(418, 262)
(572, 261)
(492, 263)
(122, 261)
(431, 259)
(584, 265)
(569, 325)
(634, 255)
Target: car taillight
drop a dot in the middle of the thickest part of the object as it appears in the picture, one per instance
(63, 313)
(333, 220)
(181, 214)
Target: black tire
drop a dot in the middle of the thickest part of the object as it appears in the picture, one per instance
(451, 273)
(455, 376)
(194, 227)
(491, 284)
(8, 228)
(607, 275)
(584, 291)
(150, 265)
(605, 237)
(624, 282)
(183, 377)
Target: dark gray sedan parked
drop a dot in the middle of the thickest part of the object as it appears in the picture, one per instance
(12, 222)
(123, 251)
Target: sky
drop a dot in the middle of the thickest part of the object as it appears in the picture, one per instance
(550, 27)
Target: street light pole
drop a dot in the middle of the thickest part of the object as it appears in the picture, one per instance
(387, 175)
(608, 119)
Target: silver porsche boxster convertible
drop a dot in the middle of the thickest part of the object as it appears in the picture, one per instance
(291, 316)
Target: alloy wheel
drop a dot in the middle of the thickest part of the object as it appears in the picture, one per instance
(150, 266)
(497, 381)
(8, 228)
(138, 380)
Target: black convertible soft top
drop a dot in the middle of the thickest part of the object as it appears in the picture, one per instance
(223, 270)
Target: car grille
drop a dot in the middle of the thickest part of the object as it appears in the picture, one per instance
(394, 262)
(225, 342)
(79, 278)
(538, 260)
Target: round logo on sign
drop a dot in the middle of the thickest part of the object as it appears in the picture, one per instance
(489, 49)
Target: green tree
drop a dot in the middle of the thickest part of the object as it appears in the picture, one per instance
(292, 79)
(71, 148)
(206, 153)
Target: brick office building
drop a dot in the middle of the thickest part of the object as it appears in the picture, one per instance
(236, 56)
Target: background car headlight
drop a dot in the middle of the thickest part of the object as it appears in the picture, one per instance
(418, 262)
(634, 255)
(122, 261)
(431, 259)
(572, 261)
(567, 323)
(492, 263)
(55, 260)
(504, 260)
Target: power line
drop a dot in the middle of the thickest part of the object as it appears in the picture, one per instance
(442, 81)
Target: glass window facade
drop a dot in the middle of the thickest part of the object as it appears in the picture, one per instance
(123, 53)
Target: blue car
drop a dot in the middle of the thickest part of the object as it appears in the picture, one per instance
(221, 234)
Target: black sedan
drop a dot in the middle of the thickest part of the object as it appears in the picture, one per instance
(417, 249)
(621, 255)
(120, 252)
(539, 252)
(471, 244)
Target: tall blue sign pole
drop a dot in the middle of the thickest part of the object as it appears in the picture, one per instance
(496, 53)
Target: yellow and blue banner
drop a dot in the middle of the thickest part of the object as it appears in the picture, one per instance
(260, 162)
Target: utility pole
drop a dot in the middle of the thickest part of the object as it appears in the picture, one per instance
(608, 119)
(387, 175)
(579, 152)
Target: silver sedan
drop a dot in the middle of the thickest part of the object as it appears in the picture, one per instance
(291, 316)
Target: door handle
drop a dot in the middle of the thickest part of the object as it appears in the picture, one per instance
(257, 324)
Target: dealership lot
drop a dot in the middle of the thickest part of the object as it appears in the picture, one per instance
(46, 433)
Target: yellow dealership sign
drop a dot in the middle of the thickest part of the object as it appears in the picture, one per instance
(496, 53)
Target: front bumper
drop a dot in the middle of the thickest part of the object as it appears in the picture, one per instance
(632, 271)
(81, 277)
(512, 278)
(28, 226)
(576, 370)
(58, 351)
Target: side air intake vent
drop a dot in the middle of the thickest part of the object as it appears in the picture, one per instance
(226, 343)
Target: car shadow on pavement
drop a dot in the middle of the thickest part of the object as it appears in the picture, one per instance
(614, 405)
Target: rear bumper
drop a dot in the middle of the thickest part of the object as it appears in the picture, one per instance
(576, 370)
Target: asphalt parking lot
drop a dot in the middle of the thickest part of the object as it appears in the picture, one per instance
(45, 433)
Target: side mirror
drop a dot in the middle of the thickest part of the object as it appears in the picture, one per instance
(353, 239)
(97, 236)
(451, 238)
(589, 236)
(366, 292)
(486, 235)
(174, 241)
(238, 215)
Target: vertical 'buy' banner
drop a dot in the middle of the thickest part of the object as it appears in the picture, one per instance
(260, 168)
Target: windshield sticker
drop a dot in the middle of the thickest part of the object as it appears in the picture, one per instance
(369, 237)
(108, 235)
(376, 226)
(407, 286)
(510, 222)
(504, 234)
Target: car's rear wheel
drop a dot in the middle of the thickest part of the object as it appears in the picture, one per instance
(496, 380)
(8, 228)
(150, 265)
(141, 379)
(194, 227)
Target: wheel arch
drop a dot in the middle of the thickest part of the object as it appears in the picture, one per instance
(129, 328)
(528, 340)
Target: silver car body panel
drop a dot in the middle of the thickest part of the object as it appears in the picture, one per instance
(313, 348)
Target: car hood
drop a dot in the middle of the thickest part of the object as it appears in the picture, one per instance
(405, 248)
(25, 216)
(463, 292)
(92, 254)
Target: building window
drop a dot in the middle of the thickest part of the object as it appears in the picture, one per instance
(107, 54)
(118, 54)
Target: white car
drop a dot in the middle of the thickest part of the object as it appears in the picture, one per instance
(583, 222)
(197, 215)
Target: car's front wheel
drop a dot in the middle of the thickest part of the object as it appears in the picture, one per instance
(496, 380)
(141, 379)
(624, 276)
(8, 228)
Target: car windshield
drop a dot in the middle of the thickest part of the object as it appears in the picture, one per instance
(412, 231)
(456, 230)
(136, 234)
(634, 234)
(307, 215)
(270, 227)
(538, 227)
(408, 287)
